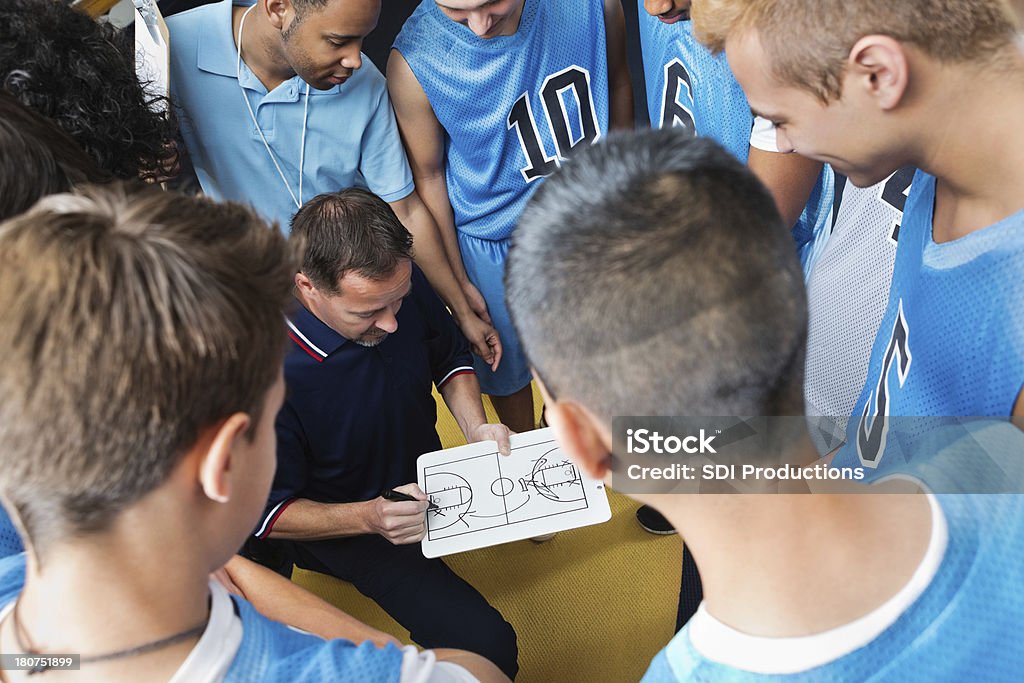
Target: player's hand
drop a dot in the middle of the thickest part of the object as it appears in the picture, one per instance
(483, 339)
(400, 521)
(476, 300)
(493, 432)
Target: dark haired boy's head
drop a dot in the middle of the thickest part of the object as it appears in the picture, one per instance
(143, 335)
(80, 74)
(652, 275)
(321, 40)
(38, 159)
(356, 263)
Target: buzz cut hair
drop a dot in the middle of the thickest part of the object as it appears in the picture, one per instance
(652, 275)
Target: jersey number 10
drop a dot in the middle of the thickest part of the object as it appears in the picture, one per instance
(521, 118)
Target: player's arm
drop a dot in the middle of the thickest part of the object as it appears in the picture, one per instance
(789, 177)
(423, 138)
(482, 669)
(432, 258)
(620, 86)
(1018, 410)
(277, 598)
(462, 396)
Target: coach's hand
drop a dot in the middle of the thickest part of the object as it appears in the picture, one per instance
(402, 521)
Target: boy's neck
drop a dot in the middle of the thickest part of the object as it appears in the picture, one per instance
(799, 564)
(975, 149)
(111, 592)
(261, 47)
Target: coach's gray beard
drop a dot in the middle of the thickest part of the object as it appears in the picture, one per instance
(370, 343)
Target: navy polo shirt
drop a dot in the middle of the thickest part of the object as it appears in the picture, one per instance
(355, 418)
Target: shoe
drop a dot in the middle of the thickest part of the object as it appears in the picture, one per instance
(653, 522)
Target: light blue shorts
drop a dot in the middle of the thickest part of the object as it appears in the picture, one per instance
(485, 266)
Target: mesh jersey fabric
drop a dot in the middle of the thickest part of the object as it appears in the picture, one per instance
(965, 626)
(511, 106)
(951, 342)
(271, 652)
(10, 540)
(847, 295)
(689, 88)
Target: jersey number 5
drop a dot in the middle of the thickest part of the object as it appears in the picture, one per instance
(575, 80)
(874, 422)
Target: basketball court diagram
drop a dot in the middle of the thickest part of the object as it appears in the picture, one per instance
(472, 492)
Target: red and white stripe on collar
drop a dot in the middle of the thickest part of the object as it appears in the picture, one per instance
(309, 347)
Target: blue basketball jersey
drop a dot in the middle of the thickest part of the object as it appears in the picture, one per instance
(512, 106)
(951, 342)
(10, 540)
(689, 88)
(965, 626)
(270, 652)
(274, 653)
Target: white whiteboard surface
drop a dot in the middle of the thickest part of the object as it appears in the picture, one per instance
(483, 498)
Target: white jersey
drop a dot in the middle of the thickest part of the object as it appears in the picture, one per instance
(847, 292)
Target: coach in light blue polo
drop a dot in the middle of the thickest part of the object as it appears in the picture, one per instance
(326, 126)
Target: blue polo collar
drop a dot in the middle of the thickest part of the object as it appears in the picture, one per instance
(312, 334)
(216, 53)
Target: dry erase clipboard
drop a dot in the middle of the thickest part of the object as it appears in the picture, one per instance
(481, 498)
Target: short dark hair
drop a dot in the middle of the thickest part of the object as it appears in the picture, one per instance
(131, 320)
(38, 159)
(351, 230)
(302, 8)
(80, 74)
(652, 275)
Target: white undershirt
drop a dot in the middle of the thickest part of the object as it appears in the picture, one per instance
(763, 136)
(210, 659)
(725, 645)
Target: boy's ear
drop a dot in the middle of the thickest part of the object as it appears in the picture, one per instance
(215, 463)
(878, 66)
(579, 433)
